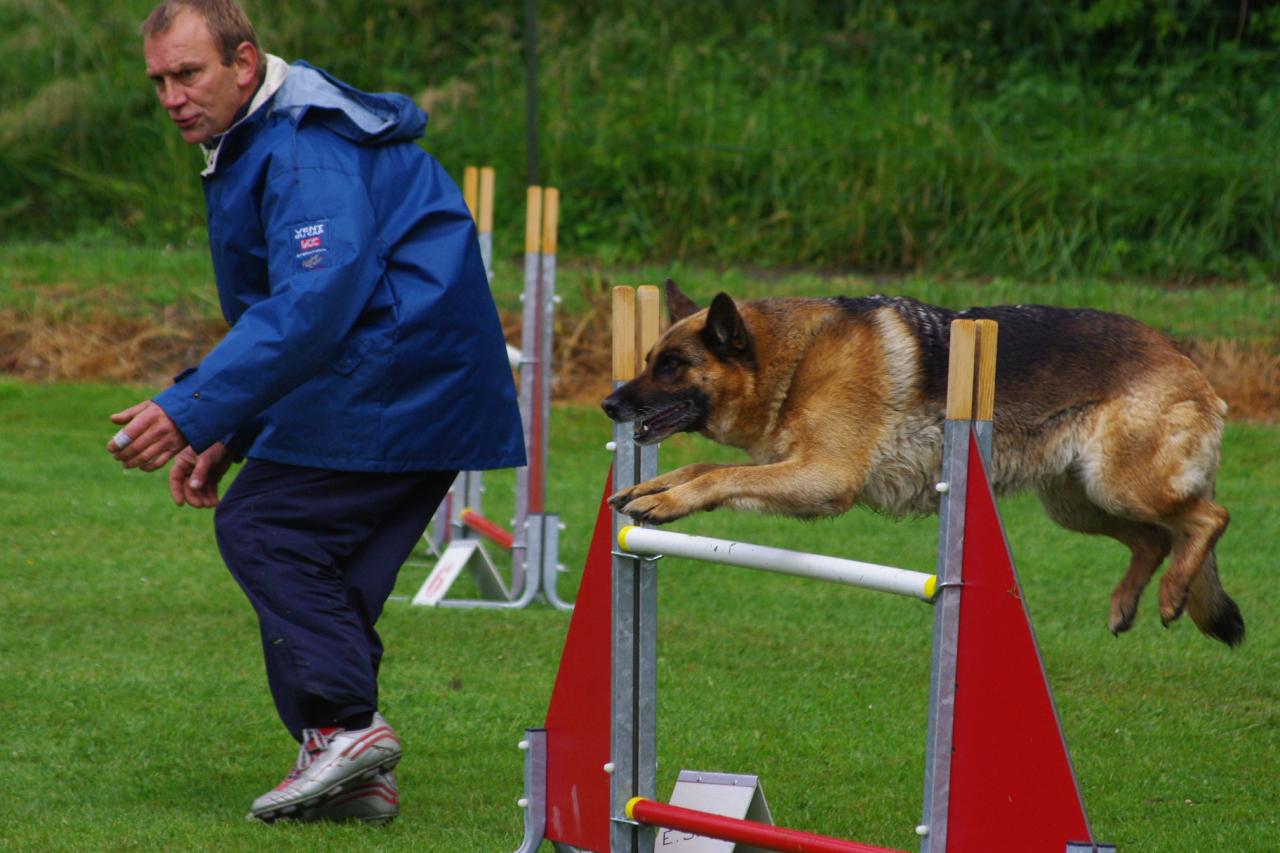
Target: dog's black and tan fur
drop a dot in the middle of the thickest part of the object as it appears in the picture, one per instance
(841, 402)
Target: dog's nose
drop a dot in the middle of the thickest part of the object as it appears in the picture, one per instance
(610, 405)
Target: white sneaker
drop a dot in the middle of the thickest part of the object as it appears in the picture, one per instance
(375, 801)
(330, 762)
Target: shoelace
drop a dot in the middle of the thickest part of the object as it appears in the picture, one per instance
(317, 740)
(314, 742)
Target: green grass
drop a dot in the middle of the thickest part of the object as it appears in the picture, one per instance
(139, 718)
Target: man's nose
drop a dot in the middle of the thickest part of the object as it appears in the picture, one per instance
(170, 94)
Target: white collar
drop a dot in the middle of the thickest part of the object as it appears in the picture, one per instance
(277, 70)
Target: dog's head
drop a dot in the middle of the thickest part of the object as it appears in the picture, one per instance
(693, 368)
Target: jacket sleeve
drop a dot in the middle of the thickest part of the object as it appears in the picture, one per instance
(324, 262)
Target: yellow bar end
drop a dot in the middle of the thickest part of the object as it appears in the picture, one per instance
(631, 807)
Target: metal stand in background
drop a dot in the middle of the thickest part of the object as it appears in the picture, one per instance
(460, 530)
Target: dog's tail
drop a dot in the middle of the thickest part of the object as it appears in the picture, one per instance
(1209, 606)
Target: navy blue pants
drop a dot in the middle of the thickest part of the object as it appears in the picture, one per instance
(317, 553)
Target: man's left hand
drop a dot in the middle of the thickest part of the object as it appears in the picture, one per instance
(149, 438)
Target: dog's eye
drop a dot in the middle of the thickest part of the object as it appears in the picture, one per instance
(668, 367)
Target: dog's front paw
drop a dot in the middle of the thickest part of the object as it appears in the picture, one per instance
(620, 499)
(655, 509)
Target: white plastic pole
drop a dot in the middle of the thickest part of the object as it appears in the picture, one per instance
(647, 541)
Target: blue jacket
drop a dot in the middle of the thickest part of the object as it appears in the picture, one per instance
(363, 334)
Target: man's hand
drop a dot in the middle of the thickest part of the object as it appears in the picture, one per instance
(149, 438)
(193, 479)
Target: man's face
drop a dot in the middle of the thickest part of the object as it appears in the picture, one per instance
(199, 92)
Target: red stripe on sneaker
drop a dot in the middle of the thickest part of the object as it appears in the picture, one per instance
(361, 746)
(381, 793)
(388, 792)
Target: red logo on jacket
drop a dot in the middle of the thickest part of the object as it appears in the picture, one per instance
(312, 242)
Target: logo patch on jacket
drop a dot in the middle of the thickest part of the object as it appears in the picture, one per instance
(311, 245)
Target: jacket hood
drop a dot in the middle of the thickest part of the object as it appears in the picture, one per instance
(303, 92)
(310, 94)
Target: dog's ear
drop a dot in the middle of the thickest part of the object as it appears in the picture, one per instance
(679, 306)
(725, 333)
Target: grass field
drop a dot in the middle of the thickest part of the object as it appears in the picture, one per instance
(139, 718)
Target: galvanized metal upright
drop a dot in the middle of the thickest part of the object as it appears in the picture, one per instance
(633, 756)
(535, 537)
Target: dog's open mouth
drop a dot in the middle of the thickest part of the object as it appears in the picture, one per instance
(657, 426)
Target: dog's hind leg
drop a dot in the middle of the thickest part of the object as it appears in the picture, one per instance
(1192, 579)
(1065, 502)
(1152, 459)
(1148, 544)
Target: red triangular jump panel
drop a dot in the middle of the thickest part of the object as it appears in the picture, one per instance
(1012, 784)
(578, 718)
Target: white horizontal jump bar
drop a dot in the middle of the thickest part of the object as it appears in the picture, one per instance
(650, 542)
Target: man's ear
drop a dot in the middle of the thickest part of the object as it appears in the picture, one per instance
(726, 334)
(679, 306)
(248, 62)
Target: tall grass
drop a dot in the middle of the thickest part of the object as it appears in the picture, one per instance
(1029, 139)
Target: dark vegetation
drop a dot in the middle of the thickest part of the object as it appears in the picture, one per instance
(1044, 140)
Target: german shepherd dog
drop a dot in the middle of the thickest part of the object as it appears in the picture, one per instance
(841, 401)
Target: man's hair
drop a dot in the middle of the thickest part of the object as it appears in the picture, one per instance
(227, 23)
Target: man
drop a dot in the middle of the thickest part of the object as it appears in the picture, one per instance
(363, 368)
